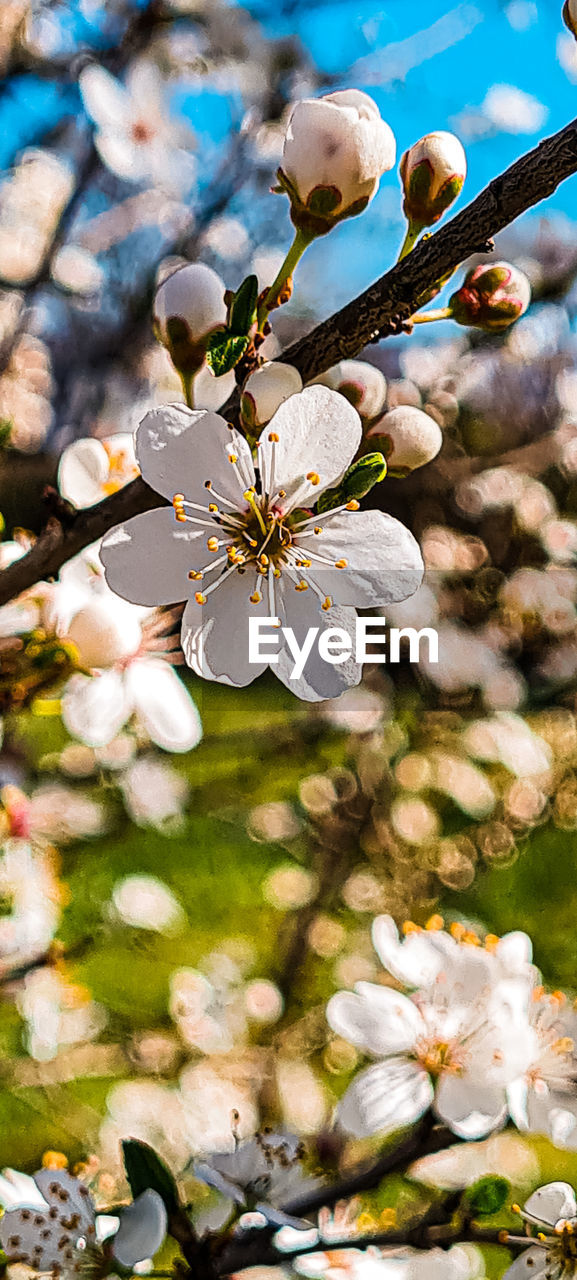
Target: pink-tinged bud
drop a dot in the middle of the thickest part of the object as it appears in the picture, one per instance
(570, 16)
(189, 306)
(408, 438)
(265, 390)
(492, 296)
(364, 386)
(335, 152)
(432, 173)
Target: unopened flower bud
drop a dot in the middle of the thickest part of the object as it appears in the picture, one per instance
(188, 308)
(570, 16)
(491, 297)
(361, 384)
(432, 173)
(335, 151)
(408, 437)
(265, 390)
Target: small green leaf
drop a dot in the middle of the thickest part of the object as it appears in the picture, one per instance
(487, 1196)
(144, 1170)
(359, 481)
(224, 352)
(243, 307)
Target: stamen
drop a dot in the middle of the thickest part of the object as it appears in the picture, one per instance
(255, 598)
(249, 496)
(341, 564)
(327, 603)
(314, 477)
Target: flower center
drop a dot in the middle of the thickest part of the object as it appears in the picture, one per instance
(438, 1056)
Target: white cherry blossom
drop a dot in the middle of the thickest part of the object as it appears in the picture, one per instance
(91, 469)
(551, 1212)
(245, 542)
(453, 1044)
(134, 135)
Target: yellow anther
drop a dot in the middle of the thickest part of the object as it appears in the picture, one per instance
(491, 941)
(212, 544)
(180, 516)
(541, 1235)
(54, 1160)
(435, 923)
(255, 598)
(471, 938)
(208, 484)
(273, 437)
(212, 508)
(327, 603)
(282, 493)
(195, 575)
(200, 599)
(353, 505)
(317, 529)
(314, 477)
(559, 997)
(409, 926)
(276, 573)
(302, 585)
(341, 564)
(264, 560)
(515, 1208)
(563, 1045)
(233, 457)
(538, 993)
(457, 931)
(503, 1237)
(178, 497)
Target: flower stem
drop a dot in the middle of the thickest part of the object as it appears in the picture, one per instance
(187, 380)
(427, 317)
(295, 253)
(412, 235)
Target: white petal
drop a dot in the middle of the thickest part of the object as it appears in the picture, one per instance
(147, 560)
(105, 99)
(376, 1019)
(179, 450)
(413, 961)
(550, 1203)
(385, 1097)
(471, 1111)
(514, 951)
(82, 472)
(164, 705)
(301, 611)
(530, 1265)
(142, 1229)
(383, 559)
(319, 433)
(18, 1189)
(94, 708)
(215, 636)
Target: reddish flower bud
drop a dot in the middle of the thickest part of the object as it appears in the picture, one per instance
(492, 296)
(432, 173)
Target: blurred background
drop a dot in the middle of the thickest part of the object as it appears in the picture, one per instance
(172, 925)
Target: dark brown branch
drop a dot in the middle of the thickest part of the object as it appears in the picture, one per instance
(378, 312)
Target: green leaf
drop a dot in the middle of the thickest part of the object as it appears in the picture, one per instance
(224, 352)
(359, 481)
(144, 1170)
(487, 1196)
(243, 308)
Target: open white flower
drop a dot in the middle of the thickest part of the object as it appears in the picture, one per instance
(543, 1098)
(51, 1225)
(134, 136)
(91, 469)
(335, 151)
(552, 1213)
(454, 1043)
(128, 654)
(246, 544)
(258, 1173)
(360, 382)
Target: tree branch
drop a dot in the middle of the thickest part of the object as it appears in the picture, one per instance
(381, 310)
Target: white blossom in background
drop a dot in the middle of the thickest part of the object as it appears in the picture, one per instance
(265, 390)
(210, 1016)
(134, 135)
(460, 1262)
(90, 470)
(50, 1223)
(237, 547)
(57, 1013)
(258, 1174)
(550, 1214)
(410, 438)
(127, 652)
(507, 739)
(154, 793)
(335, 152)
(145, 902)
(31, 895)
(360, 382)
(454, 1044)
